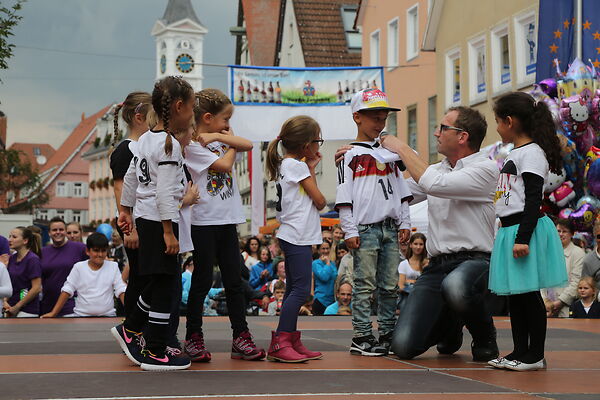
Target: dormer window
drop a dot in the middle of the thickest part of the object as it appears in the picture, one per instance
(353, 36)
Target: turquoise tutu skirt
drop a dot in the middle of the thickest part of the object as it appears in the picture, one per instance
(544, 267)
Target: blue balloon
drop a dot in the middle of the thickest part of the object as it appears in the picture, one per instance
(106, 230)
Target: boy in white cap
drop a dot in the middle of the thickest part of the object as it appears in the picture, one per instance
(372, 199)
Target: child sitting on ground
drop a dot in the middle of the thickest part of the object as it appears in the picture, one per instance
(278, 293)
(97, 281)
(587, 306)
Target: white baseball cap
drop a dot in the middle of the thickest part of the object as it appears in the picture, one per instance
(370, 99)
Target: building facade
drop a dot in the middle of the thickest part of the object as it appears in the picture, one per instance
(392, 34)
(494, 53)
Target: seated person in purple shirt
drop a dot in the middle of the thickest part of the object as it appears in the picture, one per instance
(58, 259)
(25, 274)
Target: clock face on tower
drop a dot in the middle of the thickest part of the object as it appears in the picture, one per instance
(184, 63)
(163, 64)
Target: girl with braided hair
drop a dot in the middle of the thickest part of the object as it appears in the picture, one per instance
(209, 159)
(134, 111)
(156, 192)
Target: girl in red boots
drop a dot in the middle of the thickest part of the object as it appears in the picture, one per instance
(298, 205)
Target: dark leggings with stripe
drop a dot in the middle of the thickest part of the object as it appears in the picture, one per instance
(528, 324)
(298, 276)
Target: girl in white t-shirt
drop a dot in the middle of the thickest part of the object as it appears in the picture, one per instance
(157, 190)
(410, 269)
(527, 255)
(298, 205)
(210, 159)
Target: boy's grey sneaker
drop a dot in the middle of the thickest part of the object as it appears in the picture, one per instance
(367, 346)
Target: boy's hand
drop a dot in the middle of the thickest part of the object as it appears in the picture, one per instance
(228, 132)
(353, 242)
(4, 259)
(171, 243)
(404, 235)
(520, 250)
(339, 153)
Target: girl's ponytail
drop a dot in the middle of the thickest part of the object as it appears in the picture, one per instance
(544, 134)
(273, 160)
(116, 123)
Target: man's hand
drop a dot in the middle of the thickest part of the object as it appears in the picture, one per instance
(353, 242)
(339, 153)
(520, 250)
(192, 195)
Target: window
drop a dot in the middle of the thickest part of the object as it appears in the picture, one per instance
(525, 48)
(37, 151)
(500, 59)
(412, 32)
(374, 48)
(412, 127)
(353, 36)
(42, 214)
(78, 189)
(77, 216)
(453, 77)
(432, 119)
(60, 213)
(61, 189)
(392, 123)
(392, 44)
(477, 70)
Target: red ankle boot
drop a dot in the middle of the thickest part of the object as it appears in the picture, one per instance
(300, 349)
(281, 349)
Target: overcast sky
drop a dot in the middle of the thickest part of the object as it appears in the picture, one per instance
(44, 92)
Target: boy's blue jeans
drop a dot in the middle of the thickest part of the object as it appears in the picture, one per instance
(375, 267)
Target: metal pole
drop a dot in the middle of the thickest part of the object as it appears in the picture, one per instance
(578, 32)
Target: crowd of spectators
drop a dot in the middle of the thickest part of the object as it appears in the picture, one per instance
(34, 279)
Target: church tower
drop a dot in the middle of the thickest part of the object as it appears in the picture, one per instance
(179, 43)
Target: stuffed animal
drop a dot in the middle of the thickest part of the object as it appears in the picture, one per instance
(563, 194)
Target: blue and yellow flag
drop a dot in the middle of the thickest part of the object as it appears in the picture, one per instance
(590, 32)
(556, 35)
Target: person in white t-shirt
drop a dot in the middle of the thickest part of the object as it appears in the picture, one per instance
(210, 159)
(372, 199)
(298, 205)
(411, 268)
(155, 192)
(96, 281)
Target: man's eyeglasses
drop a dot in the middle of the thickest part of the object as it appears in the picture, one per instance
(597, 237)
(320, 141)
(454, 128)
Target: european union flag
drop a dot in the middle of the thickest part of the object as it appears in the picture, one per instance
(556, 33)
(590, 32)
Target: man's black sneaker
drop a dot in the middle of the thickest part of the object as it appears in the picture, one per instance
(484, 351)
(367, 346)
(386, 342)
(451, 343)
(171, 359)
(132, 343)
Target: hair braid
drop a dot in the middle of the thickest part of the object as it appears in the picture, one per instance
(166, 112)
(116, 123)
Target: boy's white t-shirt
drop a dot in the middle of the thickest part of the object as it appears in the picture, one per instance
(299, 218)
(220, 202)
(95, 289)
(510, 191)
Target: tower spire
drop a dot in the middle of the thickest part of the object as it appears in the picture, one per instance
(178, 10)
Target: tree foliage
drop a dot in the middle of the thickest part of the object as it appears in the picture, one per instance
(20, 183)
(8, 20)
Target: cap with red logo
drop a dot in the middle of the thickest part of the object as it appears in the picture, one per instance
(370, 99)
